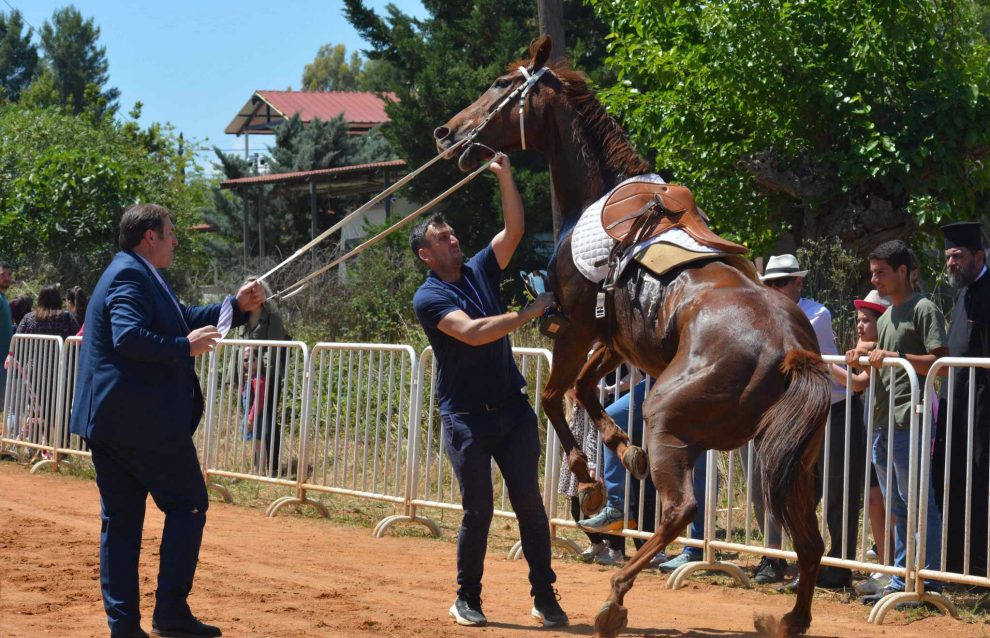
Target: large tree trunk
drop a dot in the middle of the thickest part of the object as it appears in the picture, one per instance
(860, 217)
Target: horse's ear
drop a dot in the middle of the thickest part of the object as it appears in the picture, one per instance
(539, 52)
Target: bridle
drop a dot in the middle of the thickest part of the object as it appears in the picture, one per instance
(521, 92)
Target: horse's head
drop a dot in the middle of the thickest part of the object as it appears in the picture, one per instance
(495, 122)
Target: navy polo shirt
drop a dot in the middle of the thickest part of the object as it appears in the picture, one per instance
(468, 377)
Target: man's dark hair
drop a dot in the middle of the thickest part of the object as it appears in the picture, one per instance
(5, 266)
(140, 218)
(417, 238)
(896, 253)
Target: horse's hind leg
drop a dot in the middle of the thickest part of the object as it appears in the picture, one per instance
(671, 470)
(809, 546)
(601, 362)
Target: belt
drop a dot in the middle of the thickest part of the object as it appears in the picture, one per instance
(495, 406)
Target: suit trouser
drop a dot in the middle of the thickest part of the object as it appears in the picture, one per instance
(510, 437)
(125, 477)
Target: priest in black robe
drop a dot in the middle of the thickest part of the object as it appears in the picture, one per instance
(969, 336)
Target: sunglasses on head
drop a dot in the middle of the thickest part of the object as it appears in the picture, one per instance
(780, 282)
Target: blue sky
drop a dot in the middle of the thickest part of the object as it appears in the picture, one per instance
(194, 63)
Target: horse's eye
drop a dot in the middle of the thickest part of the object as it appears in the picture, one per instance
(501, 83)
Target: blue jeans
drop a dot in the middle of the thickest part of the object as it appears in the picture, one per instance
(510, 437)
(614, 473)
(899, 449)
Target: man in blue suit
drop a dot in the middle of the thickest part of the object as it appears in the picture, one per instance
(137, 404)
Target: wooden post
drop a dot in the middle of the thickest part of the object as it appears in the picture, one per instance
(313, 211)
(551, 16)
(245, 201)
(261, 228)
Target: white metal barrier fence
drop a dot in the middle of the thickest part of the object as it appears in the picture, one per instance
(70, 445)
(31, 398)
(255, 412)
(360, 403)
(361, 420)
(965, 496)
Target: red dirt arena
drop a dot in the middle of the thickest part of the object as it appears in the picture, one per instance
(294, 576)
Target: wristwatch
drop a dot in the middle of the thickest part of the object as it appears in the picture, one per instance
(901, 355)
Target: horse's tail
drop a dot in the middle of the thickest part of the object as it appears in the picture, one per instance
(791, 433)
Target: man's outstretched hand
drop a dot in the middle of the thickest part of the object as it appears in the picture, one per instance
(250, 296)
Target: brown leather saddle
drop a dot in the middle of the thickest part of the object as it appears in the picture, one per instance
(656, 208)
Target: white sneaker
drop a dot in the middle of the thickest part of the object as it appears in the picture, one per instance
(593, 551)
(611, 557)
(874, 584)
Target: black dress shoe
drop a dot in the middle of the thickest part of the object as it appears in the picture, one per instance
(190, 628)
(137, 632)
(834, 577)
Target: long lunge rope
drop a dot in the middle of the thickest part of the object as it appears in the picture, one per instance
(304, 283)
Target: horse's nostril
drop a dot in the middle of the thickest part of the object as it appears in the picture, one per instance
(441, 132)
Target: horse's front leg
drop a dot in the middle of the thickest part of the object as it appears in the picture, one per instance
(569, 355)
(601, 362)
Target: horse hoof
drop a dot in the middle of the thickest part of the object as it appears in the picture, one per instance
(636, 462)
(766, 626)
(611, 619)
(786, 627)
(592, 497)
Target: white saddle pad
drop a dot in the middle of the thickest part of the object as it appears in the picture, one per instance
(591, 245)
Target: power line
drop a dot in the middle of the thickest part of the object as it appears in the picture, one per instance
(13, 8)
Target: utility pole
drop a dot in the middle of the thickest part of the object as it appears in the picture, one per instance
(552, 23)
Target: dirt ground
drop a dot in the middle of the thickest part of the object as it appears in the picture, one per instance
(297, 576)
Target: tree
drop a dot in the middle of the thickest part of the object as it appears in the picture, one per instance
(66, 180)
(332, 71)
(796, 120)
(18, 56)
(440, 65)
(77, 63)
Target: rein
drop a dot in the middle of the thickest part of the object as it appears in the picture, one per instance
(521, 92)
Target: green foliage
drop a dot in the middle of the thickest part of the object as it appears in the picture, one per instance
(307, 147)
(65, 181)
(77, 63)
(835, 117)
(332, 70)
(379, 289)
(18, 56)
(834, 280)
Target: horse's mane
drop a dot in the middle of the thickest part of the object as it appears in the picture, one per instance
(597, 132)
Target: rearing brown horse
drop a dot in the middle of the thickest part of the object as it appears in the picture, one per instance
(732, 361)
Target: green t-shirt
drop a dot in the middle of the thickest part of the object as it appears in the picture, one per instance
(916, 326)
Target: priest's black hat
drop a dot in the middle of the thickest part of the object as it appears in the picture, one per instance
(963, 235)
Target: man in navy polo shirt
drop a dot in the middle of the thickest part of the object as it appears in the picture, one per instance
(483, 407)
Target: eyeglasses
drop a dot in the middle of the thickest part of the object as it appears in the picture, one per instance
(780, 282)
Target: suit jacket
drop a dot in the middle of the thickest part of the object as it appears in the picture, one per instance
(137, 386)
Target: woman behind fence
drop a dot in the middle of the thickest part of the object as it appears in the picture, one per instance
(265, 324)
(49, 318)
(604, 549)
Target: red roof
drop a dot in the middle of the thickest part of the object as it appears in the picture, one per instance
(303, 175)
(361, 110)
